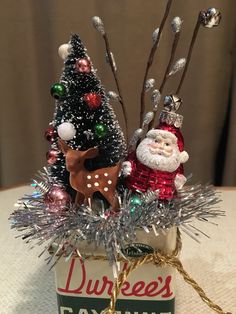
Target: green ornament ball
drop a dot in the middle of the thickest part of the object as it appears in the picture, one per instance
(135, 202)
(58, 90)
(100, 130)
(132, 210)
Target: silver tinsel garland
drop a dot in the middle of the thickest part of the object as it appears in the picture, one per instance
(66, 229)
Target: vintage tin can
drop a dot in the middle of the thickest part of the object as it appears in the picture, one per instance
(85, 287)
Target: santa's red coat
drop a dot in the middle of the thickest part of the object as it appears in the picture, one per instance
(143, 178)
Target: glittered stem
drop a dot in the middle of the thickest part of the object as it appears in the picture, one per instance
(108, 50)
(194, 37)
(172, 56)
(151, 57)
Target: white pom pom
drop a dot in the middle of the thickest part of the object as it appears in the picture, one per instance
(184, 157)
(66, 131)
(64, 50)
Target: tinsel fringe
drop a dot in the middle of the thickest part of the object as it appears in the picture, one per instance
(66, 229)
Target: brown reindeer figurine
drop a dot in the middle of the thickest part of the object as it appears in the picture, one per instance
(86, 182)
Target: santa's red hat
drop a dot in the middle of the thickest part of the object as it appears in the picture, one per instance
(175, 131)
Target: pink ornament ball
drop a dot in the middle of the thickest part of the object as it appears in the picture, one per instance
(50, 134)
(52, 156)
(83, 66)
(57, 199)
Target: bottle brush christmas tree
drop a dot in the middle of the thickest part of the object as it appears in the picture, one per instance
(83, 118)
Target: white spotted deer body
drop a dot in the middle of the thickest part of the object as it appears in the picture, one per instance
(85, 182)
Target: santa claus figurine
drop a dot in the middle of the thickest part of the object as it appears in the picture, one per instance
(157, 162)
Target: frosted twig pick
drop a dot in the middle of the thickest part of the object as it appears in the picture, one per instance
(176, 27)
(98, 24)
(151, 57)
(208, 19)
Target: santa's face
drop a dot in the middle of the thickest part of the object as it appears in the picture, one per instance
(162, 146)
(159, 151)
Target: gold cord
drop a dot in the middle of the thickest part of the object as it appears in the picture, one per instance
(159, 259)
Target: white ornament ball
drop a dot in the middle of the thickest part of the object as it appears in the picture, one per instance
(66, 131)
(64, 50)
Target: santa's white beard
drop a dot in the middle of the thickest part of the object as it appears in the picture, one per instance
(156, 161)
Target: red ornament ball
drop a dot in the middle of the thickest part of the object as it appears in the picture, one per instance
(83, 65)
(93, 100)
(52, 156)
(57, 199)
(50, 134)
